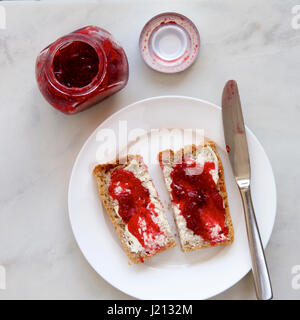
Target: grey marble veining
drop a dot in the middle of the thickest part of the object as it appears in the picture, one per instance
(250, 41)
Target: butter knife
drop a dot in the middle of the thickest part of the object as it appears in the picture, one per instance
(237, 148)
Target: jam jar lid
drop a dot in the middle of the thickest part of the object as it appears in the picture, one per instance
(169, 42)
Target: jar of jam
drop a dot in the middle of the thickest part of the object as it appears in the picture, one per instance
(81, 69)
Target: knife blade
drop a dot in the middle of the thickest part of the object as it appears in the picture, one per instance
(234, 131)
(237, 148)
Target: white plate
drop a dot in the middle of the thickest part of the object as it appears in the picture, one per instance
(171, 274)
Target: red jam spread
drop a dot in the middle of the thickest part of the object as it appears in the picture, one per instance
(199, 200)
(76, 64)
(135, 207)
(81, 69)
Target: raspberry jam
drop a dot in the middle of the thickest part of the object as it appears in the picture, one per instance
(199, 201)
(81, 69)
(135, 208)
(76, 64)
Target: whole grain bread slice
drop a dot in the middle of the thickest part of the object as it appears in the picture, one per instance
(102, 173)
(169, 158)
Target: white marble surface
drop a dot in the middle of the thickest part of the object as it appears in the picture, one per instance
(250, 41)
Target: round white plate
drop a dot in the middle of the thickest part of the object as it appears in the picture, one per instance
(171, 274)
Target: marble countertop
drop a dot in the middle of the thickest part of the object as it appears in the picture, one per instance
(254, 42)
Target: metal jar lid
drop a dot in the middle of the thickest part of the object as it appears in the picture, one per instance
(169, 42)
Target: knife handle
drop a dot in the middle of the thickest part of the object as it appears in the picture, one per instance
(261, 276)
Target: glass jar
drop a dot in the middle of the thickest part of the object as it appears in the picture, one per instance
(81, 69)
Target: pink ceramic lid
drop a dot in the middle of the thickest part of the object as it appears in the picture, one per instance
(169, 42)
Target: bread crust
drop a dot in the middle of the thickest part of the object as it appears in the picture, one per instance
(169, 154)
(102, 173)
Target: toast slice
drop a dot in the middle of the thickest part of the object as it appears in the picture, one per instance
(194, 177)
(132, 203)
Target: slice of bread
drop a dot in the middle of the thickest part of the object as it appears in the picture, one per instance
(205, 221)
(132, 203)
